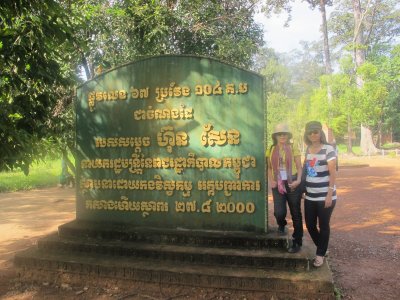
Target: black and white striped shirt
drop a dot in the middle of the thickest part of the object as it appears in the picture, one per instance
(317, 180)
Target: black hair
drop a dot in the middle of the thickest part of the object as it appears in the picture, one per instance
(322, 138)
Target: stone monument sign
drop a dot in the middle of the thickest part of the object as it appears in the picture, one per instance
(172, 142)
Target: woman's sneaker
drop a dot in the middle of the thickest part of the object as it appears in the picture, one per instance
(294, 248)
(318, 261)
(281, 230)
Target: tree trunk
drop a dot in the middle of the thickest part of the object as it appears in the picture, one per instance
(67, 160)
(367, 144)
(324, 29)
(327, 58)
(391, 134)
(86, 67)
(358, 39)
(349, 136)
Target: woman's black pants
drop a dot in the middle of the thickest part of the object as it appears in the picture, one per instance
(315, 211)
(293, 199)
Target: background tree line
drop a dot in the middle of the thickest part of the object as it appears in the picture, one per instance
(46, 46)
(360, 42)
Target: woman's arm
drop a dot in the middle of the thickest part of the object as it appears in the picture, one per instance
(332, 181)
(271, 180)
(297, 161)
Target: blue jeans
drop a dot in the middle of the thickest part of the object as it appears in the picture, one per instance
(293, 199)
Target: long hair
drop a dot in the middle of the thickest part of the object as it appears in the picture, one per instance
(323, 139)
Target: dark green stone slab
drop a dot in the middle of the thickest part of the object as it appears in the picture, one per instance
(210, 238)
(143, 193)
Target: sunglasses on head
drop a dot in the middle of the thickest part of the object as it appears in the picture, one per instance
(312, 132)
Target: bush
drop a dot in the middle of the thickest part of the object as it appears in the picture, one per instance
(389, 146)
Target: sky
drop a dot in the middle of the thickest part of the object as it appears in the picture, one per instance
(304, 26)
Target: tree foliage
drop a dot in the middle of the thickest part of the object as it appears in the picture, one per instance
(121, 31)
(45, 44)
(36, 44)
(380, 25)
(388, 72)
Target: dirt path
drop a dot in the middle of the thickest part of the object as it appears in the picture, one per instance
(364, 249)
(365, 243)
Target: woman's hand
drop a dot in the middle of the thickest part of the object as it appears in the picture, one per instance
(294, 184)
(328, 200)
(273, 184)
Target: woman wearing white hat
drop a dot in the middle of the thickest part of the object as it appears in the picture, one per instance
(284, 176)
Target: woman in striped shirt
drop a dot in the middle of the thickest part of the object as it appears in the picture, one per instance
(320, 198)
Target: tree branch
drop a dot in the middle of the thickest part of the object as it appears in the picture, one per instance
(200, 25)
(357, 31)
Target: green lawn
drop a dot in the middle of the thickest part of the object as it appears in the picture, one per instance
(43, 174)
(343, 149)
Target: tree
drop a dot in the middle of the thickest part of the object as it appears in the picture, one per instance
(373, 25)
(36, 44)
(352, 105)
(359, 49)
(273, 6)
(306, 66)
(327, 56)
(380, 25)
(279, 107)
(277, 74)
(324, 28)
(387, 73)
(122, 31)
(289, 77)
(277, 7)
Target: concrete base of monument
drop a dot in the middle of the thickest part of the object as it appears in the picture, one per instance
(82, 251)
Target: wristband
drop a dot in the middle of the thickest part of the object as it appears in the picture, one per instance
(332, 188)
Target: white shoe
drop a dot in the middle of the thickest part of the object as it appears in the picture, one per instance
(318, 261)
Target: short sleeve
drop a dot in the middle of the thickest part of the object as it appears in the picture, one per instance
(330, 153)
(268, 152)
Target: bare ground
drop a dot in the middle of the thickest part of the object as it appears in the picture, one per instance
(365, 242)
(364, 248)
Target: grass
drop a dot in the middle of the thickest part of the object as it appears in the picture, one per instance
(42, 174)
(343, 149)
(338, 293)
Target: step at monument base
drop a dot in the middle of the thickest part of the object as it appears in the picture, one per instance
(39, 266)
(266, 268)
(270, 258)
(180, 236)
